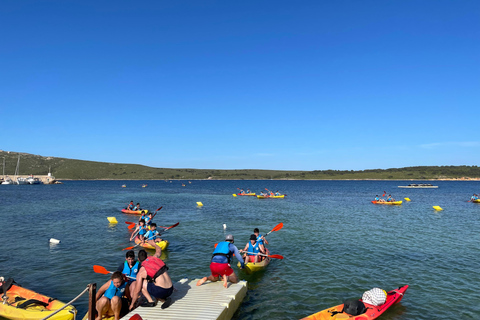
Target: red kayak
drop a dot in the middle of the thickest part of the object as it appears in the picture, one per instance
(373, 312)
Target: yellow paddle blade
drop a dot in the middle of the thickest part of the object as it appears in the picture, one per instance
(112, 220)
(438, 208)
(407, 199)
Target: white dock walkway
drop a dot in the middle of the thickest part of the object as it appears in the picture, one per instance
(210, 301)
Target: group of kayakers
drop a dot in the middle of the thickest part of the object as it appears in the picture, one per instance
(146, 229)
(474, 197)
(266, 193)
(133, 207)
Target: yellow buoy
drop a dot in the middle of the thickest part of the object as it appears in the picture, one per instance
(438, 208)
(234, 195)
(407, 199)
(112, 220)
(199, 204)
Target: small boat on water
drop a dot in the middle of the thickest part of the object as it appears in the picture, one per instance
(7, 180)
(32, 180)
(162, 244)
(134, 212)
(388, 203)
(420, 185)
(246, 194)
(21, 180)
(476, 201)
(251, 267)
(372, 312)
(272, 197)
(23, 304)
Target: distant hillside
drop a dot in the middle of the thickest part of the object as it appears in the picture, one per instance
(63, 168)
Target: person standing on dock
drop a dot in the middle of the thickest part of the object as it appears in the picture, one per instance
(152, 279)
(220, 264)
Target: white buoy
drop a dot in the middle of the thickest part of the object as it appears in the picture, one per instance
(224, 226)
(55, 241)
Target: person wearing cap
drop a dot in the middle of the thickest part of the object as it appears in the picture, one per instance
(252, 250)
(220, 263)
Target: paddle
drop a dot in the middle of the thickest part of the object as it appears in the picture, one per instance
(384, 193)
(274, 256)
(102, 270)
(172, 226)
(276, 228)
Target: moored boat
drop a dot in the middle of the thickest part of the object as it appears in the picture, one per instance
(388, 203)
(162, 244)
(23, 304)
(420, 185)
(373, 312)
(134, 212)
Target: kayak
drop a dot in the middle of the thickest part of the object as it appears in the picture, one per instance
(162, 244)
(476, 201)
(251, 267)
(25, 304)
(390, 203)
(134, 212)
(373, 312)
(246, 194)
(273, 197)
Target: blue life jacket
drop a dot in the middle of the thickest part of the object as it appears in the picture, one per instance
(223, 248)
(151, 235)
(253, 249)
(113, 291)
(142, 231)
(260, 240)
(131, 272)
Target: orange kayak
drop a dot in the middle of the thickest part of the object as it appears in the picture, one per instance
(373, 312)
(134, 212)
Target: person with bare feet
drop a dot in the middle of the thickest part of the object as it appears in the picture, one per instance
(109, 296)
(220, 264)
(152, 279)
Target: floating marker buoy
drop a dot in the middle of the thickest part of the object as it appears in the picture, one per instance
(112, 220)
(438, 208)
(55, 241)
(199, 204)
(407, 199)
(224, 226)
(234, 195)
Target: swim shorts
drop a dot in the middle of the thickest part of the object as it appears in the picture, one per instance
(220, 269)
(158, 292)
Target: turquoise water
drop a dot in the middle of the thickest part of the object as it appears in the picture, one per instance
(335, 242)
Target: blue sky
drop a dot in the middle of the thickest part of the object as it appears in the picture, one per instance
(289, 85)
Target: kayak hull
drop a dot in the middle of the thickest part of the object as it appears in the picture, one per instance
(246, 194)
(271, 197)
(476, 201)
(373, 312)
(394, 203)
(162, 244)
(9, 310)
(251, 267)
(134, 212)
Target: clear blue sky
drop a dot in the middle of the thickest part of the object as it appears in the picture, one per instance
(290, 85)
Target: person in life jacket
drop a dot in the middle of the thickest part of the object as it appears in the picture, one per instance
(148, 219)
(137, 207)
(153, 233)
(252, 250)
(262, 242)
(141, 229)
(130, 206)
(109, 297)
(152, 280)
(220, 263)
(130, 268)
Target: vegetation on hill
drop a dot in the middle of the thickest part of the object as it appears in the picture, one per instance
(63, 168)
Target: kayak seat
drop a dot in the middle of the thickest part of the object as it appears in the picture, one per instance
(30, 302)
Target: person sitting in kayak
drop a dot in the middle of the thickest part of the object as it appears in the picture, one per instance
(378, 199)
(130, 268)
(252, 249)
(148, 219)
(152, 280)
(390, 199)
(141, 229)
(153, 233)
(241, 191)
(277, 193)
(260, 239)
(220, 263)
(474, 197)
(130, 206)
(137, 207)
(248, 191)
(109, 297)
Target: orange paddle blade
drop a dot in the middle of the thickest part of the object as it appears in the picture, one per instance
(276, 256)
(278, 227)
(131, 226)
(155, 211)
(128, 222)
(100, 269)
(128, 248)
(176, 224)
(136, 316)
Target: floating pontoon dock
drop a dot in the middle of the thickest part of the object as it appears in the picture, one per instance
(210, 301)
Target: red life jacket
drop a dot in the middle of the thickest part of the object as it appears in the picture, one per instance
(154, 267)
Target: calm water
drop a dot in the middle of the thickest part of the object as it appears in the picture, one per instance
(336, 243)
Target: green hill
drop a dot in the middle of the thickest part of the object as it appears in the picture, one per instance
(63, 168)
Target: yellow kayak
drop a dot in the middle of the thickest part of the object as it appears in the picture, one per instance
(476, 201)
(25, 304)
(390, 203)
(162, 244)
(273, 197)
(251, 267)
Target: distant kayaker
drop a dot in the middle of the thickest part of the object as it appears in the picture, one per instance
(241, 191)
(141, 229)
(277, 193)
(153, 233)
(248, 191)
(109, 297)
(474, 197)
(390, 199)
(130, 267)
(152, 280)
(252, 249)
(130, 206)
(137, 207)
(220, 263)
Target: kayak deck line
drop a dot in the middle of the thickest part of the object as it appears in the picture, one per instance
(210, 301)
